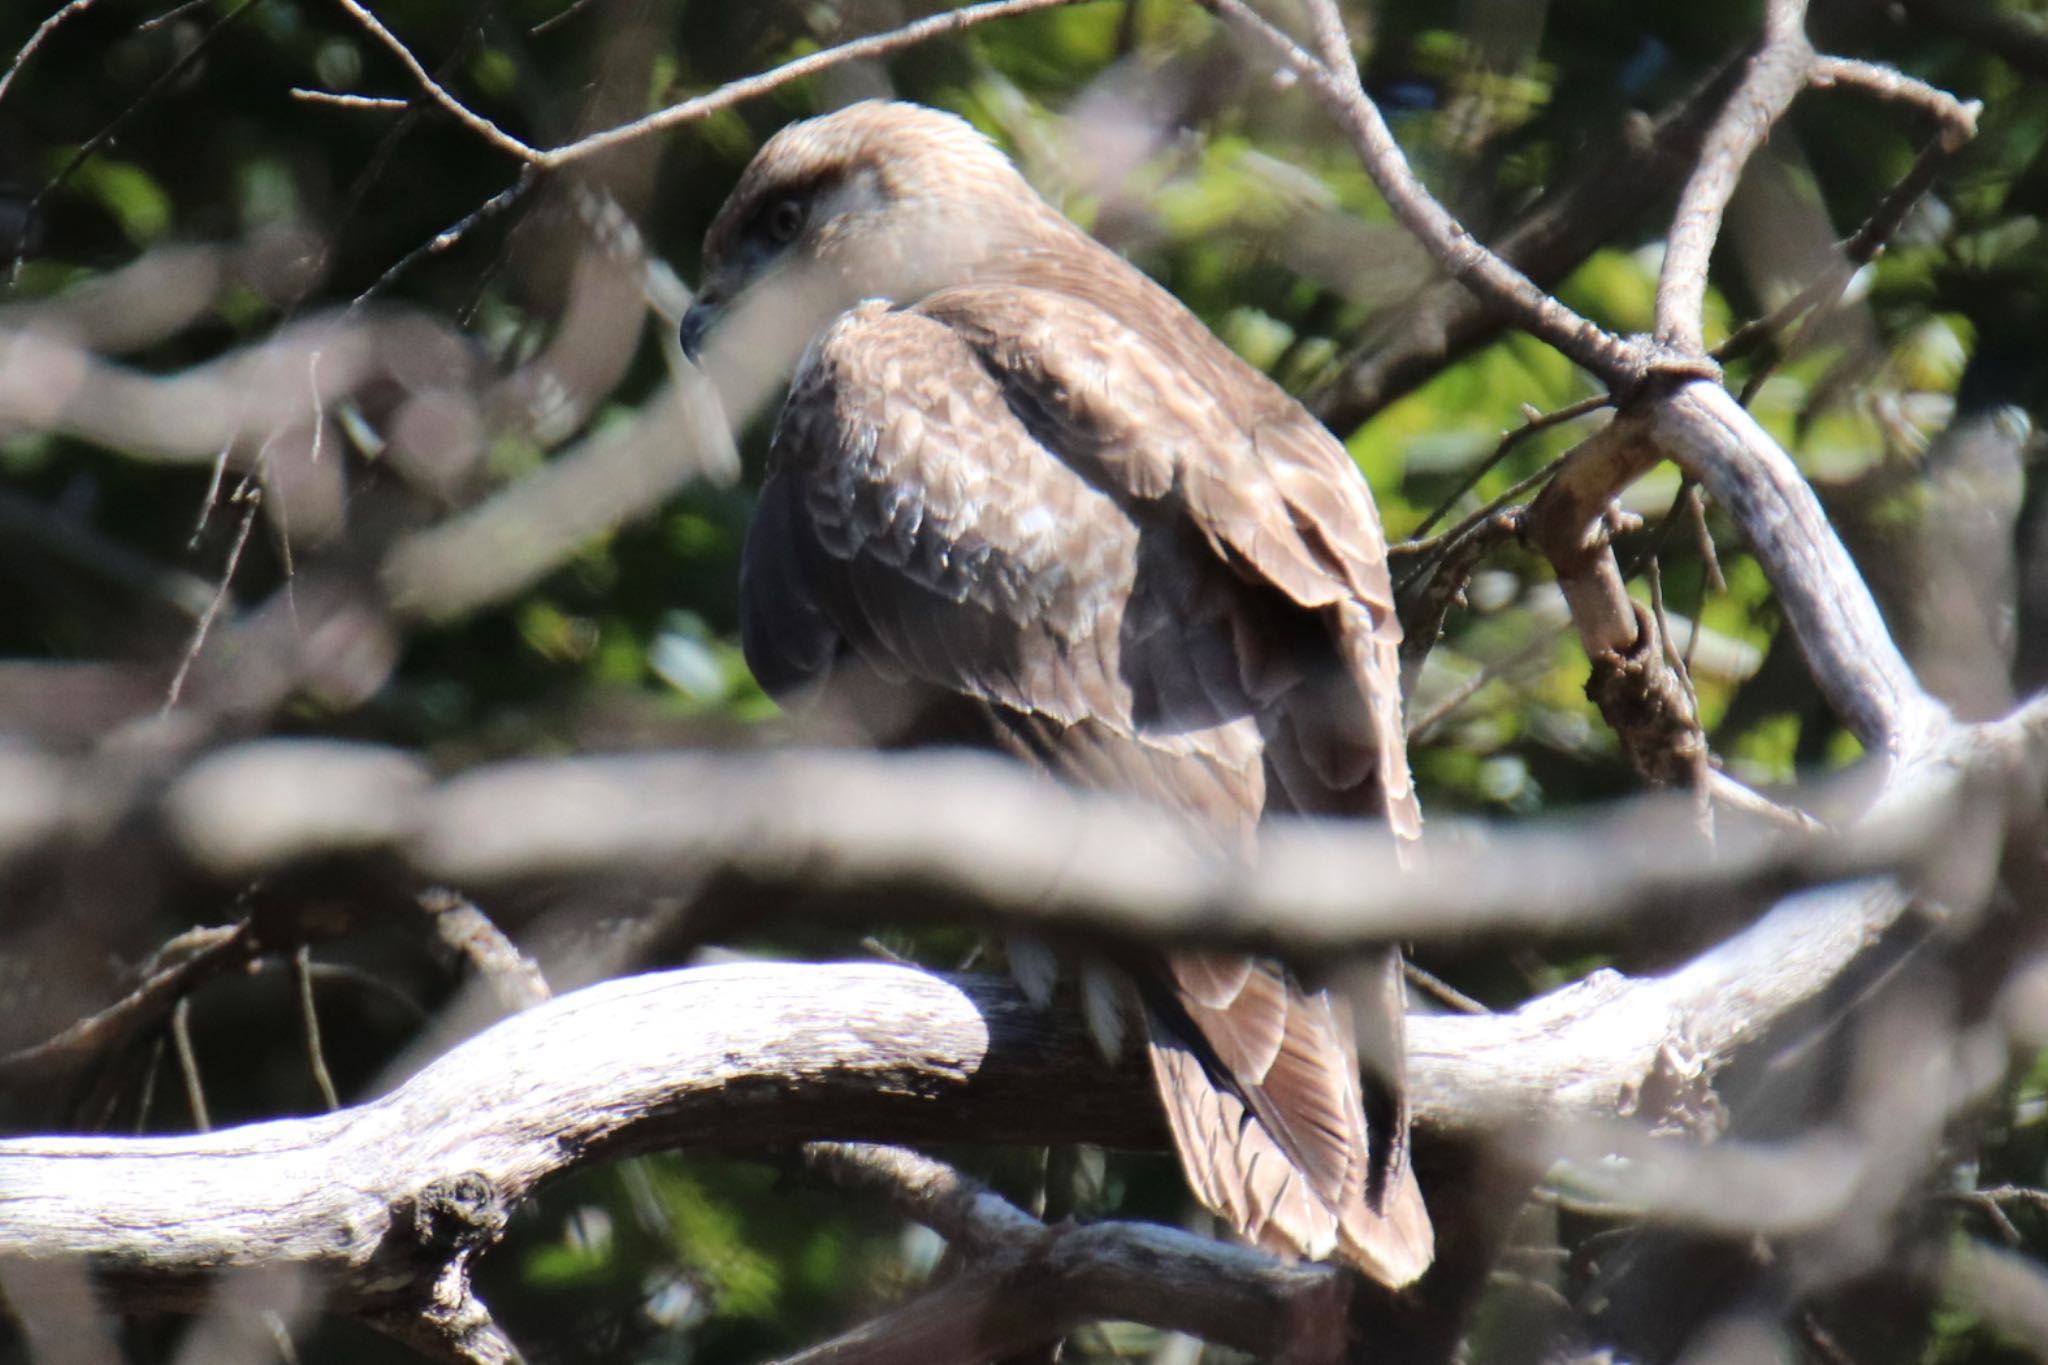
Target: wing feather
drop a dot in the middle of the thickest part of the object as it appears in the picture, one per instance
(1182, 421)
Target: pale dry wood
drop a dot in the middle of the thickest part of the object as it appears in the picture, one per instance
(758, 1053)
(1832, 613)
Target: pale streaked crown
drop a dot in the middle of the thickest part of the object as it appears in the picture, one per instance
(877, 200)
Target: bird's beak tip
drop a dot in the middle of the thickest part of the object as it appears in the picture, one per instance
(696, 326)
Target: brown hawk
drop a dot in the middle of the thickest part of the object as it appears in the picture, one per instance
(1019, 497)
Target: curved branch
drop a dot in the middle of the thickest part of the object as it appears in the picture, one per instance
(1335, 81)
(1026, 1284)
(700, 106)
(741, 1053)
(1773, 80)
(1853, 659)
(763, 1053)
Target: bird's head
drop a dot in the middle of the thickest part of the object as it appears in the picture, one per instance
(877, 200)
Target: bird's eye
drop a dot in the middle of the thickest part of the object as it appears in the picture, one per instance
(783, 220)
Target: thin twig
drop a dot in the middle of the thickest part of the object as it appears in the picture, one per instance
(387, 145)
(36, 39)
(150, 1071)
(860, 49)
(435, 91)
(170, 16)
(1420, 726)
(309, 1019)
(1857, 250)
(1732, 795)
(1423, 613)
(701, 106)
(1533, 423)
(1958, 119)
(1439, 989)
(548, 24)
(172, 972)
(91, 146)
(1703, 538)
(306, 96)
(253, 496)
(188, 1063)
(514, 978)
(454, 233)
(1711, 579)
(1985, 1203)
(1427, 553)
(1702, 758)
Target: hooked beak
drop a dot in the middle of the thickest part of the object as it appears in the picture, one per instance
(698, 322)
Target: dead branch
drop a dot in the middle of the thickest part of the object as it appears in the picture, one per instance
(173, 972)
(514, 979)
(1445, 320)
(1832, 614)
(1027, 1284)
(1956, 118)
(376, 1202)
(1333, 76)
(937, 835)
(938, 831)
(1774, 77)
(373, 1205)
(702, 106)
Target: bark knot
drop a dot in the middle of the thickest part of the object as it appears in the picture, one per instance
(458, 1211)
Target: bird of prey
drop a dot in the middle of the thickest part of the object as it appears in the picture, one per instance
(1020, 498)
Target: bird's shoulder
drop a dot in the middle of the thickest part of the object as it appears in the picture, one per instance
(1109, 369)
(906, 451)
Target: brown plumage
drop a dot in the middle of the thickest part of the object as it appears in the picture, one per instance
(1020, 497)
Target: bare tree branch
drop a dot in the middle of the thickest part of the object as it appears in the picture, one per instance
(1956, 119)
(1445, 320)
(435, 91)
(702, 106)
(1335, 81)
(1026, 1284)
(1840, 630)
(171, 974)
(375, 1203)
(514, 979)
(942, 827)
(1774, 78)
(35, 40)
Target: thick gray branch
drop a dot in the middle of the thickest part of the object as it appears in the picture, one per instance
(1850, 652)
(367, 1199)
